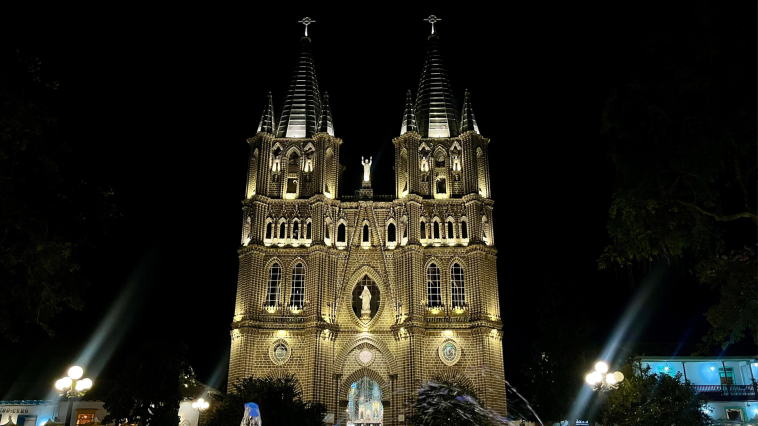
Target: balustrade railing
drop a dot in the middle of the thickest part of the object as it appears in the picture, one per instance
(726, 392)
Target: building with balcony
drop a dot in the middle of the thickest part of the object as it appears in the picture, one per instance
(727, 383)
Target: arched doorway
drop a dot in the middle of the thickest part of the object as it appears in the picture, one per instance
(364, 407)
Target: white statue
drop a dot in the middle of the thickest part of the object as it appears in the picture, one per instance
(309, 161)
(456, 162)
(366, 168)
(366, 297)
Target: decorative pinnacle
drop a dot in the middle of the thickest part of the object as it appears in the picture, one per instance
(307, 21)
(432, 19)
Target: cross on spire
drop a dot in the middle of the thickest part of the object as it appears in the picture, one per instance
(307, 21)
(432, 19)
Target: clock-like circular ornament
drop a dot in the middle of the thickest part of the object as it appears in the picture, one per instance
(365, 357)
(449, 352)
(279, 352)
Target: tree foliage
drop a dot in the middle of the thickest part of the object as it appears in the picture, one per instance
(653, 400)
(279, 398)
(560, 352)
(451, 403)
(46, 211)
(682, 137)
(150, 387)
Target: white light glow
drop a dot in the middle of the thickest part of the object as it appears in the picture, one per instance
(601, 367)
(610, 379)
(66, 382)
(75, 372)
(619, 376)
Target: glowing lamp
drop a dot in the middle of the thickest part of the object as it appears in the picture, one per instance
(66, 382)
(79, 386)
(610, 379)
(75, 372)
(713, 368)
(59, 384)
(601, 367)
(619, 376)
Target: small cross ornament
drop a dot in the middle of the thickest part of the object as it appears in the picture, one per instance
(432, 19)
(307, 21)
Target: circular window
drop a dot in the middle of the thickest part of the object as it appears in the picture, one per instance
(365, 357)
(279, 352)
(366, 299)
(449, 352)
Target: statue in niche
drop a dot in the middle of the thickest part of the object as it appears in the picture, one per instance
(456, 157)
(308, 161)
(425, 161)
(367, 168)
(366, 300)
(277, 166)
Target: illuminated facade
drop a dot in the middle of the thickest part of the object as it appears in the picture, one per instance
(365, 297)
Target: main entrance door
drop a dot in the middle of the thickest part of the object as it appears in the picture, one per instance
(365, 403)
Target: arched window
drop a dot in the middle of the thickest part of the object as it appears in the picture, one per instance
(269, 230)
(391, 237)
(274, 278)
(436, 230)
(464, 230)
(282, 231)
(296, 231)
(365, 233)
(450, 233)
(423, 230)
(433, 290)
(297, 297)
(308, 231)
(341, 233)
(457, 289)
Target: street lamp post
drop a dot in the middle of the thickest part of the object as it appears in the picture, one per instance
(200, 405)
(602, 380)
(72, 386)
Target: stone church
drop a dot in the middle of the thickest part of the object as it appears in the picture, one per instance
(365, 297)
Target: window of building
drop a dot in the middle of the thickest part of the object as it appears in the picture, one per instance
(296, 231)
(666, 369)
(436, 230)
(308, 231)
(282, 231)
(423, 230)
(727, 377)
(450, 233)
(84, 418)
(464, 230)
(391, 233)
(365, 233)
(433, 290)
(297, 297)
(292, 185)
(341, 233)
(269, 230)
(734, 414)
(274, 278)
(326, 231)
(457, 289)
(441, 185)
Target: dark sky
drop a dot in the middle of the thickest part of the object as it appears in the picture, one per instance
(158, 103)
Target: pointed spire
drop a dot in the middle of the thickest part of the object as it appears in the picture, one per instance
(267, 118)
(409, 119)
(436, 108)
(327, 125)
(468, 122)
(302, 105)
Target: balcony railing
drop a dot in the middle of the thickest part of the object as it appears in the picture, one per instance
(727, 392)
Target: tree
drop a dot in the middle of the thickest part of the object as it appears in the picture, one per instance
(279, 399)
(653, 400)
(47, 212)
(682, 137)
(559, 353)
(149, 390)
(451, 403)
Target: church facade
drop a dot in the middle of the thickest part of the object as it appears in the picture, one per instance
(365, 297)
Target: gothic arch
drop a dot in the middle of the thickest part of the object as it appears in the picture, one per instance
(365, 372)
(359, 340)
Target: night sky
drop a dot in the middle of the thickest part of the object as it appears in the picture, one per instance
(157, 103)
